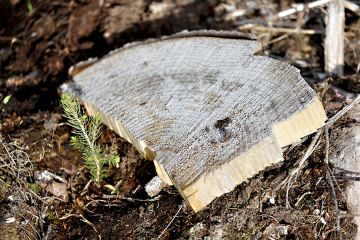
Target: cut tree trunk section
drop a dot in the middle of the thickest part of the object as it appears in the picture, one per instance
(202, 106)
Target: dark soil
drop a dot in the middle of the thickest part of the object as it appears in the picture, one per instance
(41, 40)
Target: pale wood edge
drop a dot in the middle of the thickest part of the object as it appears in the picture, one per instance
(140, 145)
(225, 178)
(162, 173)
(122, 131)
(300, 124)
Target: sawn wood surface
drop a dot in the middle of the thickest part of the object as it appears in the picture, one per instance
(209, 112)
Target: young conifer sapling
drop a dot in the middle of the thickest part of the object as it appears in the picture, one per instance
(86, 131)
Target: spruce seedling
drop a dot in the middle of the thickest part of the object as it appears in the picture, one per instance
(86, 131)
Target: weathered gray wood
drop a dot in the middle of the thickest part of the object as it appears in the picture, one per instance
(334, 41)
(203, 107)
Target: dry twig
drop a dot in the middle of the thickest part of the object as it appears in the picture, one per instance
(82, 217)
(167, 226)
(343, 111)
(329, 178)
(314, 143)
(352, 7)
(302, 7)
(279, 29)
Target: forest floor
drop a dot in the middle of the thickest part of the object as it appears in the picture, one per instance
(44, 187)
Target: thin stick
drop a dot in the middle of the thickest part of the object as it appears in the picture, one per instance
(301, 198)
(167, 226)
(346, 171)
(327, 145)
(84, 191)
(302, 7)
(352, 7)
(79, 216)
(279, 29)
(294, 172)
(328, 176)
(309, 151)
(41, 214)
(343, 111)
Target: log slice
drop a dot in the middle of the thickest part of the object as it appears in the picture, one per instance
(209, 112)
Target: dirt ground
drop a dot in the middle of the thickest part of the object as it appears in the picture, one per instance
(41, 40)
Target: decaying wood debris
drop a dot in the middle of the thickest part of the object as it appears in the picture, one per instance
(202, 106)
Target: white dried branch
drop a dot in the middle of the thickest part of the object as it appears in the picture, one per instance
(302, 7)
(352, 7)
(334, 40)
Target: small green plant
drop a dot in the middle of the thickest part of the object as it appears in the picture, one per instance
(34, 187)
(30, 7)
(86, 131)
